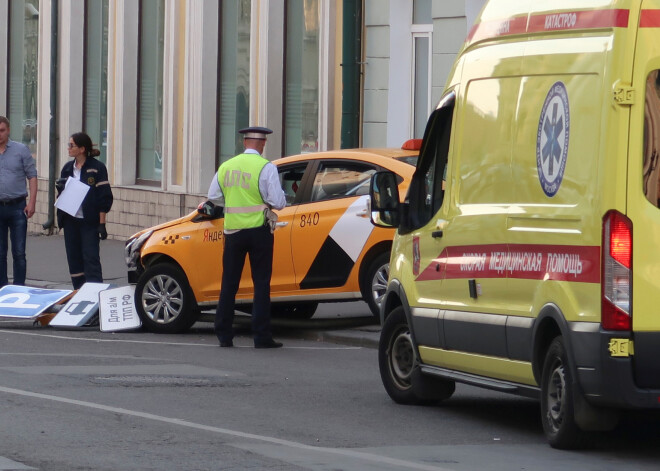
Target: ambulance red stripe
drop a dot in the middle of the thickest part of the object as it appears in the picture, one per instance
(649, 19)
(520, 261)
(560, 21)
(594, 19)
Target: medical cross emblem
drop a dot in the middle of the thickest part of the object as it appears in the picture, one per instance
(552, 139)
(552, 148)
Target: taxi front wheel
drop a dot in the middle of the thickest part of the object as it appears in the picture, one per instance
(164, 300)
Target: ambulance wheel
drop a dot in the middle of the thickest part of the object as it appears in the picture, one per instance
(375, 282)
(557, 401)
(399, 368)
(293, 310)
(164, 300)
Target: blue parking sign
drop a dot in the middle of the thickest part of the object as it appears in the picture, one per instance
(25, 302)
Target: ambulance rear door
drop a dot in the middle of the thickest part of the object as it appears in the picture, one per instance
(643, 203)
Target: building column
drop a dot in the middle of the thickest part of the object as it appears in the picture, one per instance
(4, 56)
(122, 90)
(267, 71)
(200, 112)
(71, 86)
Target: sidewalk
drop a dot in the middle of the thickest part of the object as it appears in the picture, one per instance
(47, 268)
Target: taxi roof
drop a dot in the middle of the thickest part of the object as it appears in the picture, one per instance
(367, 154)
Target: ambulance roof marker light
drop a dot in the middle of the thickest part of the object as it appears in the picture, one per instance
(412, 144)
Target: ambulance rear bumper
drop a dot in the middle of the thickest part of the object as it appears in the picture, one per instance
(629, 381)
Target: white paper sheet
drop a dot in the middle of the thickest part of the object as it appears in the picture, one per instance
(72, 196)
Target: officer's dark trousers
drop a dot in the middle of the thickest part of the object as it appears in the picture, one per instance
(81, 240)
(258, 244)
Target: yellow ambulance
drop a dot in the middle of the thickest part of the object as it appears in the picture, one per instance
(525, 255)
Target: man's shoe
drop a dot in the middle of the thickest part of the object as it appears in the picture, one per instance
(268, 344)
(228, 343)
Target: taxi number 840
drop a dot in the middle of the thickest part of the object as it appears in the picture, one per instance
(311, 219)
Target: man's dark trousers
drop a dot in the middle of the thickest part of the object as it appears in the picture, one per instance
(257, 243)
(13, 227)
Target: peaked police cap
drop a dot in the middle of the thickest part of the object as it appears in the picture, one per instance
(255, 132)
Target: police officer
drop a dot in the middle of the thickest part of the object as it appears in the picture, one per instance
(83, 230)
(246, 186)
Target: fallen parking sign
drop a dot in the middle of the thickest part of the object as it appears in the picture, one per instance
(117, 309)
(25, 302)
(81, 308)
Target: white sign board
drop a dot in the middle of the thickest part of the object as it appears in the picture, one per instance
(25, 302)
(118, 309)
(81, 307)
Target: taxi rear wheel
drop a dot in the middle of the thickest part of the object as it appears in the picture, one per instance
(374, 283)
(164, 300)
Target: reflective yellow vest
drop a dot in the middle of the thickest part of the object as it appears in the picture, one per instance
(239, 180)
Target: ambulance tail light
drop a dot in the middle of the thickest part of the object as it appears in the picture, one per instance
(617, 272)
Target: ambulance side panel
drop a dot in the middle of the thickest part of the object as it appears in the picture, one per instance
(546, 225)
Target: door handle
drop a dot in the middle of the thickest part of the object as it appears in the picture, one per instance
(281, 224)
(436, 234)
(362, 214)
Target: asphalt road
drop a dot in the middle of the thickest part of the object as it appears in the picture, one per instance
(78, 400)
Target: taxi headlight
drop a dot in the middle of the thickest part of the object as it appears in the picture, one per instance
(132, 249)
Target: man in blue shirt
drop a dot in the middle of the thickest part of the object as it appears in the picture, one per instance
(16, 166)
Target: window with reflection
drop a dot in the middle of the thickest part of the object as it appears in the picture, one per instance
(422, 31)
(234, 77)
(340, 180)
(651, 169)
(150, 92)
(291, 178)
(23, 71)
(95, 113)
(301, 112)
(427, 187)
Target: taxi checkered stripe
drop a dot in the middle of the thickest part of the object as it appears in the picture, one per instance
(170, 239)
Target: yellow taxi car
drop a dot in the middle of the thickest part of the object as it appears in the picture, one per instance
(326, 248)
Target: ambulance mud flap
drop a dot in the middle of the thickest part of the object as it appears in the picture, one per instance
(591, 418)
(431, 388)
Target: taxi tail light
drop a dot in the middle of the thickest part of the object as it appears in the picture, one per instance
(616, 275)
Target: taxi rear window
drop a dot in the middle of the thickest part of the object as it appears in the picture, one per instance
(409, 159)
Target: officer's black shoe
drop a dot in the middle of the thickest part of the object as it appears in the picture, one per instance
(268, 344)
(227, 343)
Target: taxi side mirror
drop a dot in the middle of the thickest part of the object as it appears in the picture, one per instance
(384, 200)
(210, 211)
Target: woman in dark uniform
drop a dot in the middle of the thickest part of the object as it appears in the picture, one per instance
(83, 231)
